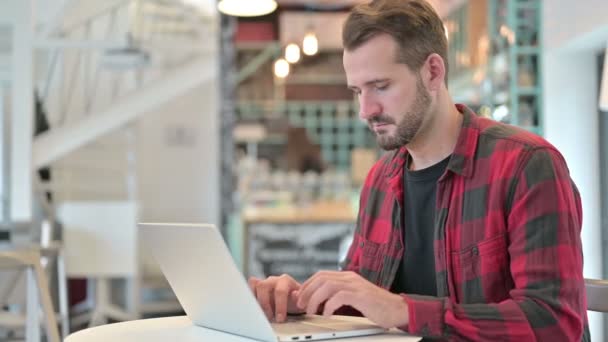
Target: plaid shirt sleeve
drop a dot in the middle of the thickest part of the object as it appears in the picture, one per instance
(544, 220)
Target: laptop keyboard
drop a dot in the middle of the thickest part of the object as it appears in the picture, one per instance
(290, 328)
(315, 324)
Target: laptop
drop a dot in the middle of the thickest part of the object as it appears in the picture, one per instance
(196, 262)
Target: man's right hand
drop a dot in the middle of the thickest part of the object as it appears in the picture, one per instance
(276, 296)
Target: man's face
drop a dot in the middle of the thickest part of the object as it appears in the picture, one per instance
(392, 99)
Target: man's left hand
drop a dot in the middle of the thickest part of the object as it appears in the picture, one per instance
(336, 289)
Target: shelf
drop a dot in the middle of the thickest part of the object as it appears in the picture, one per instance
(333, 125)
(317, 212)
(527, 50)
(528, 91)
(523, 83)
(533, 5)
(274, 139)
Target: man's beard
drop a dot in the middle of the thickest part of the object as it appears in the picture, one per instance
(409, 123)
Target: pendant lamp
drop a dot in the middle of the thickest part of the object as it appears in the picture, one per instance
(247, 8)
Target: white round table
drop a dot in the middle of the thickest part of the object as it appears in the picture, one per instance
(180, 328)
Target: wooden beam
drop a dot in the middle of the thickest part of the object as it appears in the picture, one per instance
(56, 143)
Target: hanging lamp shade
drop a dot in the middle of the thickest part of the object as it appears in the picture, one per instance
(247, 8)
(292, 53)
(310, 45)
(281, 68)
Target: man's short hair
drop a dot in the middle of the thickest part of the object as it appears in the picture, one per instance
(414, 25)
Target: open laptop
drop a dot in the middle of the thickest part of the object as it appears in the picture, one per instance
(214, 294)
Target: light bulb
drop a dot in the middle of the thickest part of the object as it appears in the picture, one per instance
(281, 68)
(292, 53)
(310, 45)
(247, 8)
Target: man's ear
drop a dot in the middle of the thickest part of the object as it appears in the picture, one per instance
(434, 67)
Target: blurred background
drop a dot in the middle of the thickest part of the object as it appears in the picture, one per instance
(123, 111)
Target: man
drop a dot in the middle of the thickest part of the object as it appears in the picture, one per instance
(470, 229)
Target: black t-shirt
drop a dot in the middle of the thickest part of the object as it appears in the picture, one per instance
(416, 273)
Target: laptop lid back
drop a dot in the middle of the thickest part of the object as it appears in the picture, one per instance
(190, 256)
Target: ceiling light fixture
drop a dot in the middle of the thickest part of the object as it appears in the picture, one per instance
(310, 45)
(292, 53)
(247, 8)
(281, 68)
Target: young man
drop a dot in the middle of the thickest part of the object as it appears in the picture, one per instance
(470, 229)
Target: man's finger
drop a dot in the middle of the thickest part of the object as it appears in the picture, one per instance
(281, 297)
(320, 279)
(322, 294)
(309, 287)
(292, 306)
(253, 282)
(338, 300)
(263, 294)
(314, 278)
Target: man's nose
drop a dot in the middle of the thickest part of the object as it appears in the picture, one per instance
(368, 107)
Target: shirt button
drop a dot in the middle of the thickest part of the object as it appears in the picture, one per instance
(475, 250)
(361, 244)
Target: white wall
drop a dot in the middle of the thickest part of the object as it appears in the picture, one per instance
(575, 33)
(567, 22)
(571, 124)
(179, 177)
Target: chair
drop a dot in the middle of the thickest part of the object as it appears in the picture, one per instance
(28, 258)
(14, 281)
(597, 295)
(100, 239)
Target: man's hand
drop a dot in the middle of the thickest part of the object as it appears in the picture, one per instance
(276, 296)
(336, 289)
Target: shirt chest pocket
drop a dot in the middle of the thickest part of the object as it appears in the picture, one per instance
(372, 256)
(481, 271)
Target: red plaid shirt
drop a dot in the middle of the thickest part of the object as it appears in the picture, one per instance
(508, 252)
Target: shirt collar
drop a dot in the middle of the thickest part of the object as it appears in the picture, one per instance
(463, 157)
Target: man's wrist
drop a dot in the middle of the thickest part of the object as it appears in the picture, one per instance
(402, 314)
